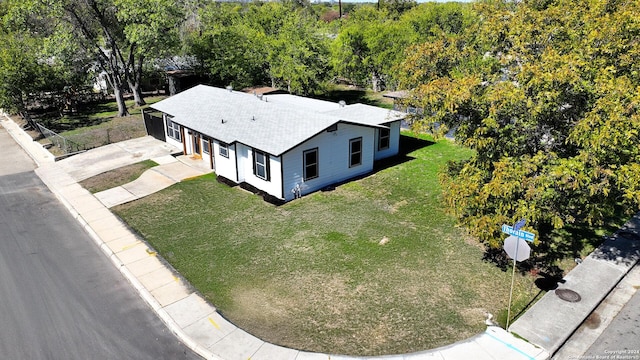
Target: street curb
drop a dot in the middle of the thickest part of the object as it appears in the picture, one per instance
(142, 291)
(132, 279)
(12, 132)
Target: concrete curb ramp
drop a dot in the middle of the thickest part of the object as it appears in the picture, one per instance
(551, 320)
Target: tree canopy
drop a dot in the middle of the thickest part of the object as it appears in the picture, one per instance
(546, 93)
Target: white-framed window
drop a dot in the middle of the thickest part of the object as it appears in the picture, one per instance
(224, 149)
(310, 159)
(173, 129)
(205, 145)
(261, 165)
(384, 135)
(355, 152)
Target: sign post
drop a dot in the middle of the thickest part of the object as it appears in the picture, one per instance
(516, 248)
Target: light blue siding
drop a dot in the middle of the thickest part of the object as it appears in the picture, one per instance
(225, 166)
(394, 142)
(333, 159)
(273, 186)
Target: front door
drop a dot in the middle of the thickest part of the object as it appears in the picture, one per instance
(196, 145)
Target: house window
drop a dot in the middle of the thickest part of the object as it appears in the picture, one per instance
(261, 165)
(383, 138)
(355, 152)
(205, 145)
(310, 158)
(173, 130)
(224, 149)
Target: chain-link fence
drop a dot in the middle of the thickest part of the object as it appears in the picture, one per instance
(60, 141)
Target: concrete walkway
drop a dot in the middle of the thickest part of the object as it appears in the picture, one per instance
(551, 320)
(113, 156)
(169, 172)
(186, 313)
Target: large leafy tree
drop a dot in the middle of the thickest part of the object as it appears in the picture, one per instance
(249, 44)
(30, 64)
(547, 95)
(298, 55)
(372, 43)
(151, 30)
(115, 34)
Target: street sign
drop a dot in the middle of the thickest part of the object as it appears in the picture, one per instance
(517, 248)
(519, 224)
(519, 233)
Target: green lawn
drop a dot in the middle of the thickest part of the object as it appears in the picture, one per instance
(117, 177)
(372, 267)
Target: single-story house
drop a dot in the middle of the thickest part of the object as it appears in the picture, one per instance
(282, 145)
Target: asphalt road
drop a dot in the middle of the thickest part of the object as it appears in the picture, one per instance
(60, 297)
(621, 339)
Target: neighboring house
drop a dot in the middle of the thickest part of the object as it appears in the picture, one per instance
(281, 145)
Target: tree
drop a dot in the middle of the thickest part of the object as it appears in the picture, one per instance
(151, 30)
(230, 49)
(115, 33)
(372, 44)
(298, 55)
(30, 65)
(249, 44)
(353, 49)
(20, 72)
(547, 95)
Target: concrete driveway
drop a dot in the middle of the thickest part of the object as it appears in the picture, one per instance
(96, 161)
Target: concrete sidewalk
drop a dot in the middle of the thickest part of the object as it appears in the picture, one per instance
(196, 322)
(552, 320)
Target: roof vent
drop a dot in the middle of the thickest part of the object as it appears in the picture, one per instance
(259, 97)
(230, 88)
(342, 103)
(223, 121)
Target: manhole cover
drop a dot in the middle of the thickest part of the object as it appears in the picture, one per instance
(568, 295)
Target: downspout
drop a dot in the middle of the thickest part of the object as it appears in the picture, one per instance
(282, 178)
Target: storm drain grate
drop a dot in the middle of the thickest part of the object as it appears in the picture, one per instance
(568, 295)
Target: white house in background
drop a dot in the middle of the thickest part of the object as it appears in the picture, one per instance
(281, 145)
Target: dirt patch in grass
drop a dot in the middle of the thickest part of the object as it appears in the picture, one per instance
(117, 177)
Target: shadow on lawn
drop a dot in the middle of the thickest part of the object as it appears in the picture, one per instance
(408, 145)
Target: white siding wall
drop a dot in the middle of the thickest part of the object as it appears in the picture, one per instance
(333, 159)
(245, 172)
(169, 139)
(225, 166)
(394, 142)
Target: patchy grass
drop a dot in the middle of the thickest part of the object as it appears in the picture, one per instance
(117, 177)
(372, 267)
(99, 125)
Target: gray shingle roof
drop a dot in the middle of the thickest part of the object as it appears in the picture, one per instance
(366, 114)
(271, 126)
